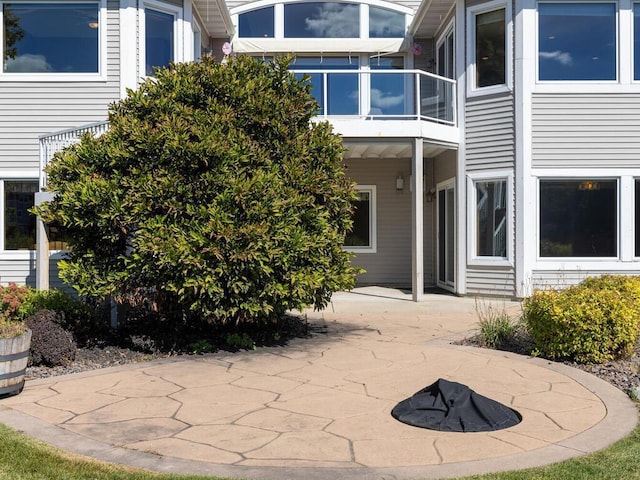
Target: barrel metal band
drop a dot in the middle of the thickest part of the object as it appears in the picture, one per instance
(14, 356)
(15, 374)
(13, 388)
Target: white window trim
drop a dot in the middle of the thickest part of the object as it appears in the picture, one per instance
(569, 85)
(373, 225)
(100, 76)
(178, 29)
(472, 257)
(472, 12)
(585, 263)
(12, 254)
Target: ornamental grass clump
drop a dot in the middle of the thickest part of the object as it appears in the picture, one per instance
(593, 322)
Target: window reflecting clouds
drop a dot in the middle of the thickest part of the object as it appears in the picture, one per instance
(577, 41)
(50, 38)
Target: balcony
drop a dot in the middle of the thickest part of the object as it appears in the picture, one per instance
(360, 104)
(386, 103)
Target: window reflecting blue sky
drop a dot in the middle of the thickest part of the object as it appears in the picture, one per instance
(577, 41)
(342, 88)
(56, 38)
(388, 90)
(159, 39)
(256, 23)
(321, 20)
(385, 23)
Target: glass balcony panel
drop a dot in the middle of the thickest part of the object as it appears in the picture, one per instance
(436, 98)
(390, 94)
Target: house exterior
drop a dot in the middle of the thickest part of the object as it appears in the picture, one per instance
(495, 144)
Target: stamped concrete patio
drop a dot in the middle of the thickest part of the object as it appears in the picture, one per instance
(320, 407)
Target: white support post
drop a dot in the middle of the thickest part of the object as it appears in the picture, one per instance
(42, 246)
(417, 221)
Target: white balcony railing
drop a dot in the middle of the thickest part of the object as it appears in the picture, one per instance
(362, 95)
(383, 94)
(52, 143)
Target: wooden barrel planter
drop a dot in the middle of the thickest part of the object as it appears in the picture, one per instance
(14, 355)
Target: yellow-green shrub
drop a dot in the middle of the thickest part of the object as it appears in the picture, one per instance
(592, 322)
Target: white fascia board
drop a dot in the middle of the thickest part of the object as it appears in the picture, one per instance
(354, 128)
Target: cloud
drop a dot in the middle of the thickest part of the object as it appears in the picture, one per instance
(563, 58)
(334, 20)
(381, 99)
(28, 63)
(383, 23)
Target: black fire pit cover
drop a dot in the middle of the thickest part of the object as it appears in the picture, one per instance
(454, 407)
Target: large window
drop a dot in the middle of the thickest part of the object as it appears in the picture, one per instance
(362, 237)
(491, 218)
(385, 23)
(578, 218)
(51, 37)
(257, 23)
(490, 48)
(388, 89)
(159, 39)
(342, 88)
(19, 224)
(322, 20)
(577, 41)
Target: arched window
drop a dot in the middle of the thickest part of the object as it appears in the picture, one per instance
(321, 20)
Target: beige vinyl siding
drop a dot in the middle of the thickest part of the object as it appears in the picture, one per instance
(391, 265)
(31, 109)
(585, 130)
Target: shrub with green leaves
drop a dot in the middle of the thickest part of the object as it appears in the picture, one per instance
(212, 196)
(595, 321)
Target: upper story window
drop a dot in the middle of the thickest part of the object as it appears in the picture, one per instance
(489, 47)
(160, 46)
(384, 23)
(257, 23)
(577, 41)
(62, 38)
(322, 20)
(159, 39)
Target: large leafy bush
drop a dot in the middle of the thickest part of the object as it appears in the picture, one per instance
(212, 195)
(592, 322)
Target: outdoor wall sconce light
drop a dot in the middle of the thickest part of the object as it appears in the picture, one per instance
(399, 183)
(431, 194)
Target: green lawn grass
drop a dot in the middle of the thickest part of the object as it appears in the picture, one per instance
(22, 458)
